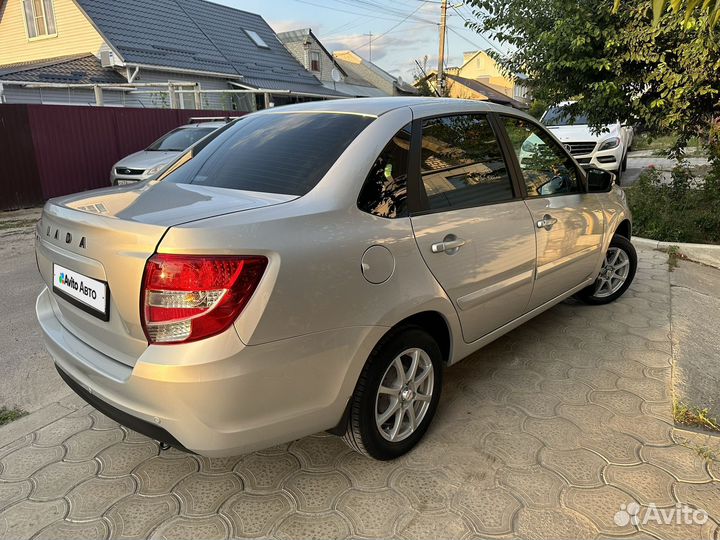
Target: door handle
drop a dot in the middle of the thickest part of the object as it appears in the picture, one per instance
(450, 245)
(546, 222)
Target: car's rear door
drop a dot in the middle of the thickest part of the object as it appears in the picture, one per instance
(473, 230)
(569, 221)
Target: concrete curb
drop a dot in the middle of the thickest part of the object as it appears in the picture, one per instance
(703, 253)
(22, 427)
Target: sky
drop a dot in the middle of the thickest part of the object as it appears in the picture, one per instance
(402, 30)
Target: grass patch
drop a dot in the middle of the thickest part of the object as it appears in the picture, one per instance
(17, 224)
(695, 417)
(684, 209)
(705, 452)
(674, 256)
(10, 415)
(646, 142)
(661, 143)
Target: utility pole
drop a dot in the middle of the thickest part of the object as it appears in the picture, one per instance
(370, 44)
(441, 55)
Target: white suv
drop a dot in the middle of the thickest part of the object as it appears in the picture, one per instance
(606, 149)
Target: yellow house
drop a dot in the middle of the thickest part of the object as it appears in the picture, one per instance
(33, 30)
(480, 78)
(479, 66)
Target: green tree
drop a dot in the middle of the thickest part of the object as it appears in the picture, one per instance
(616, 63)
(711, 7)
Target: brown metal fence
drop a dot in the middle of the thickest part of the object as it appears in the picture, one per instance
(52, 150)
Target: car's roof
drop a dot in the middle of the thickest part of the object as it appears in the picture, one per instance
(204, 125)
(382, 105)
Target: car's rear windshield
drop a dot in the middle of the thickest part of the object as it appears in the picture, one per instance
(560, 116)
(179, 139)
(285, 153)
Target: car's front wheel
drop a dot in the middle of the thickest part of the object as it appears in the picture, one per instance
(396, 396)
(616, 274)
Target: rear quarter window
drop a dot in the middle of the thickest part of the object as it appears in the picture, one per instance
(285, 153)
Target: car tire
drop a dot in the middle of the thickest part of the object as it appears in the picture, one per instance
(618, 175)
(387, 405)
(624, 163)
(620, 260)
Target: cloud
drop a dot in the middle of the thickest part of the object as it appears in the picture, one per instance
(382, 46)
(294, 24)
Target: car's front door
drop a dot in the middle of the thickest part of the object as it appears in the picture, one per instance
(474, 231)
(569, 222)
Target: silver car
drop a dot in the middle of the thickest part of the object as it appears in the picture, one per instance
(317, 267)
(149, 163)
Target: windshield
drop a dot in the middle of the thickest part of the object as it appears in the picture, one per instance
(179, 139)
(559, 116)
(285, 153)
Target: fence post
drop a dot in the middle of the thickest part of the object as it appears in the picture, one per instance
(198, 97)
(99, 98)
(173, 96)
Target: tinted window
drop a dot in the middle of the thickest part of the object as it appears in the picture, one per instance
(547, 170)
(273, 153)
(462, 164)
(180, 139)
(559, 116)
(384, 193)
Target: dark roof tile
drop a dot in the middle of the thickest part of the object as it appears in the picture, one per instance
(85, 69)
(196, 35)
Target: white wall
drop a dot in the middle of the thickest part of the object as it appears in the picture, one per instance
(154, 100)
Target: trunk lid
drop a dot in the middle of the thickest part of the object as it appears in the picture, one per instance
(108, 235)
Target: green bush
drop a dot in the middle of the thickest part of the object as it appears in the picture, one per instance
(683, 209)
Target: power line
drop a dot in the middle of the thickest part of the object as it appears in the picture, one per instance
(345, 26)
(464, 18)
(393, 28)
(391, 18)
(486, 40)
(376, 7)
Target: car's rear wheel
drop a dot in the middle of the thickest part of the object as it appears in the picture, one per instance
(396, 396)
(616, 275)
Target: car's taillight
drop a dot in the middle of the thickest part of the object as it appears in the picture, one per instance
(190, 297)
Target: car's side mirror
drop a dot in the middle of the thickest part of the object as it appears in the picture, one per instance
(599, 181)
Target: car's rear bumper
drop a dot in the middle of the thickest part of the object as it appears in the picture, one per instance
(218, 397)
(121, 417)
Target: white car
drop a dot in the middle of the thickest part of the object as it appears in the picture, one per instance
(605, 149)
(150, 162)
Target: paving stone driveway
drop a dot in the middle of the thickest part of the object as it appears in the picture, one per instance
(543, 434)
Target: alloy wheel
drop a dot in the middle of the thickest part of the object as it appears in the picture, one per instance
(404, 395)
(614, 272)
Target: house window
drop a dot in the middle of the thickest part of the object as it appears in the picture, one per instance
(314, 61)
(39, 18)
(256, 39)
(185, 97)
